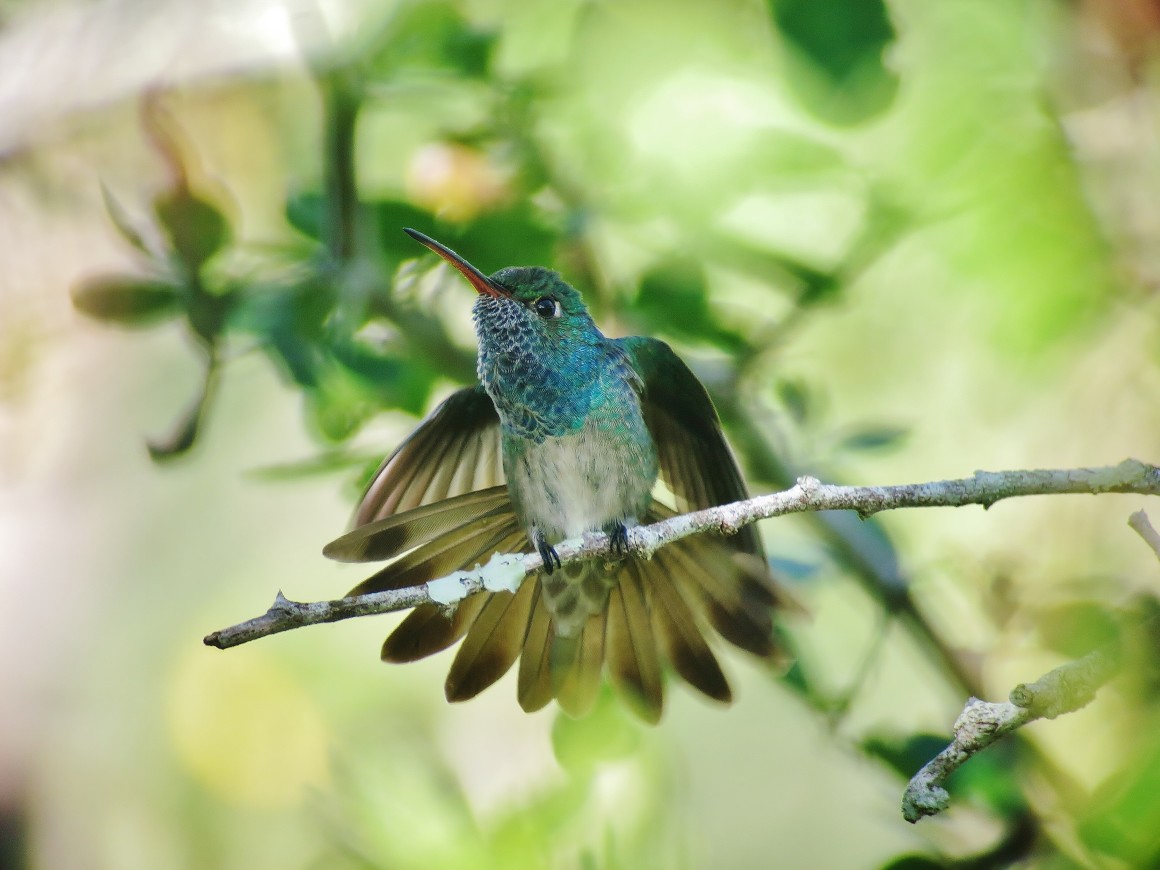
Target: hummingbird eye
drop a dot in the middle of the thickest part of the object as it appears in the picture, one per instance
(546, 306)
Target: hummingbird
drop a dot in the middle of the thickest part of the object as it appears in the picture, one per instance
(567, 432)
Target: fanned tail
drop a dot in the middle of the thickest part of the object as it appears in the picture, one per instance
(657, 614)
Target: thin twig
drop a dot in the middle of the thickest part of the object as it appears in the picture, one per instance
(1143, 527)
(985, 488)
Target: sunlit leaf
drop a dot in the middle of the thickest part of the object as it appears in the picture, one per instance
(1075, 628)
(1124, 818)
(606, 734)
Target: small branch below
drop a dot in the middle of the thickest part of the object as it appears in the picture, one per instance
(1067, 688)
(1063, 690)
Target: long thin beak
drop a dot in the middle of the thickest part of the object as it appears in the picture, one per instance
(479, 281)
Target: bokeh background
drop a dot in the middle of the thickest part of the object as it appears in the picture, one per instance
(898, 240)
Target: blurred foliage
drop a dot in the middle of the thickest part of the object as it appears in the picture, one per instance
(526, 145)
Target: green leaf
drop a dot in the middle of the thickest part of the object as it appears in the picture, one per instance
(673, 297)
(208, 313)
(914, 862)
(874, 438)
(1123, 817)
(843, 42)
(797, 397)
(196, 228)
(121, 221)
(905, 755)
(1075, 628)
(305, 211)
(396, 382)
(426, 36)
(188, 425)
(606, 734)
(127, 300)
(988, 778)
(515, 236)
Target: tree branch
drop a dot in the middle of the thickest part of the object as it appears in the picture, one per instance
(808, 494)
(1063, 690)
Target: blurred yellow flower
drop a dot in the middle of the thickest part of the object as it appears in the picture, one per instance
(453, 181)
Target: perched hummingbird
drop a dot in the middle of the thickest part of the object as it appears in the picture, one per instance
(568, 432)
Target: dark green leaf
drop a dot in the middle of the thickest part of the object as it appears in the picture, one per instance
(425, 36)
(914, 862)
(839, 36)
(305, 211)
(208, 313)
(874, 438)
(195, 227)
(796, 396)
(673, 297)
(127, 300)
(516, 236)
(989, 778)
(394, 382)
(185, 431)
(905, 755)
(843, 42)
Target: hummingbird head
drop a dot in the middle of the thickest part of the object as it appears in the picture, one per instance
(536, 337)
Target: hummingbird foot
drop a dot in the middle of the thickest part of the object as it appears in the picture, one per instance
(617, 539)
(547, 553)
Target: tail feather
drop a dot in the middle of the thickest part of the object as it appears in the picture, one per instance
(576, 663)
(733, 601)
(535, 685)
(428, 630)
(633, 662)
(680, 635)
(492, 644)
(646, 614)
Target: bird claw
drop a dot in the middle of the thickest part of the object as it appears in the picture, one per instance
(618, 540)
(549, 555)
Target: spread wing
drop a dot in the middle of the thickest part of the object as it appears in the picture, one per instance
(456, 450)
(697, 465)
